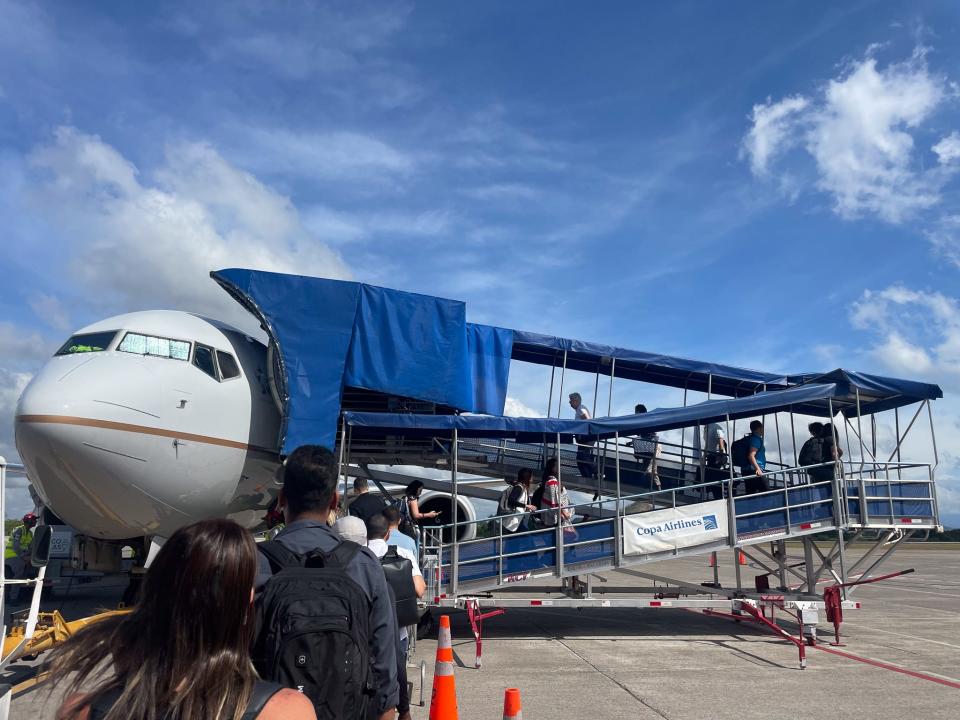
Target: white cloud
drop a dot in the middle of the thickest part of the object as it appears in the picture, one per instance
(151, 242)
(11, 385)
(515, 408)
(19, 346)
(859, 132)
(944, 235)
(948, 149)
(917, 334)
(776, 127)
(339, 155)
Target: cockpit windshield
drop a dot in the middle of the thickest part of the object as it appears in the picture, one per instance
(140, 344)
(87, 343)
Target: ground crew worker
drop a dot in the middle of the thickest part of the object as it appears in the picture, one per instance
(21, 541)
(17, 554)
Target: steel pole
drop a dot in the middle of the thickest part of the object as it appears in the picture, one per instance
(455, 556)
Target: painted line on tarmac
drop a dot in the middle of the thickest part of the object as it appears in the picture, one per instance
(912, 637)
(894, 668)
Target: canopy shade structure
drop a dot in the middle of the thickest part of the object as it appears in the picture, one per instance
(328, 335)
(644, 366)
(807, 399)
(331, 334)
(875, 393)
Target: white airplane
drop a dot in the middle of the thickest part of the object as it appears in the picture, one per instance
(145, 422)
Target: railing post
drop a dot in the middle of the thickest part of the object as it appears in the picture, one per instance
(618, 526)
(3, 515)
(455, 555)
(731, 507)
(341, 468)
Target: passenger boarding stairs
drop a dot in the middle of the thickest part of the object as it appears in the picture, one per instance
(899, 496)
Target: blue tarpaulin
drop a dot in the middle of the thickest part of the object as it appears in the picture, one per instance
(333, 334)
(644, 366)
(808, 399)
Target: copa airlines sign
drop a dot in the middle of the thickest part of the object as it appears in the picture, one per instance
(661, 530)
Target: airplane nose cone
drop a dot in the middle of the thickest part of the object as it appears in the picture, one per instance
(66, 433)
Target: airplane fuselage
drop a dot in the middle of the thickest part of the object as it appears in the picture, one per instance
(147, 421)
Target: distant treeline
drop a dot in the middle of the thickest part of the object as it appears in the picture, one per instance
(945, 536)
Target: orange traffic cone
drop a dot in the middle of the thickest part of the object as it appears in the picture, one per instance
(443, 700)
(741, 558)
(511, 705)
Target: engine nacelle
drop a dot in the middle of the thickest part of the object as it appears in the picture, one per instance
(431, 500)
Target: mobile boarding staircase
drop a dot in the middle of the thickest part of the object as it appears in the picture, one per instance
(880, 503)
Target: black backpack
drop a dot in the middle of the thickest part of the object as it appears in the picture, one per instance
(399, 573)
(740, 450)
(406, 525)
(314, 629)
(537, 496)
(812, 452)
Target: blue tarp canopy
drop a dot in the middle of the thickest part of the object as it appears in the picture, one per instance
(333, 334)
(875, 393)
(808, 399)
(643, 366)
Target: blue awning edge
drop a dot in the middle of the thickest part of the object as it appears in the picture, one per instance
(332, 334)
(807, 399)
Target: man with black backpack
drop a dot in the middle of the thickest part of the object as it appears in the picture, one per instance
(812, 451)
(407, 585)
(325, 621)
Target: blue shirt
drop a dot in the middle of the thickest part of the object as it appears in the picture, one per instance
(402, 541)
(757, 442)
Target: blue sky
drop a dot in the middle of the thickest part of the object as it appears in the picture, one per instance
(767, 184)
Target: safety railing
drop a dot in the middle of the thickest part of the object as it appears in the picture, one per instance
(593, 536)
(888, 494)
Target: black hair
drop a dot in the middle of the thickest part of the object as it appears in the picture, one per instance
(392, 515)
(640, 408)
(524, 475)
(309, 479)
(754, 424)
(377, 527)
(815, 428)
(413, 488)
(360, 484)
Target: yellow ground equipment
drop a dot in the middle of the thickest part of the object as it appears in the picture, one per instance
(51, 629)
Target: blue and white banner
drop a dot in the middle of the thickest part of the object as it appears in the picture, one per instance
(681, 527)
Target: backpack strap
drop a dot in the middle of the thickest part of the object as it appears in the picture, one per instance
(279, 555)
(261, 694)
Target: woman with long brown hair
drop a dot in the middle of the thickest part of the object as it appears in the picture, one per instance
(182, 653)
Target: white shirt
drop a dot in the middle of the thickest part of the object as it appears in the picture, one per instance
(581, 413)
(379, 548)
(714, 435)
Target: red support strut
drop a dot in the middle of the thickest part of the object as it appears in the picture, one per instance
(476, 624)
(834, 605)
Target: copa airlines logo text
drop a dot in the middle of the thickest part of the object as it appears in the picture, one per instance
(707, 522)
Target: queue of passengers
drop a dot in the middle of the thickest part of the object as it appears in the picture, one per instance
(307, 625)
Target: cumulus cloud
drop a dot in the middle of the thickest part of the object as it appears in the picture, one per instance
(515, 408)
(948, 149)
(917, 334)
(859, 129)
(151, 241)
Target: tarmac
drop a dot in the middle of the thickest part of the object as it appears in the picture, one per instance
(901, 655)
